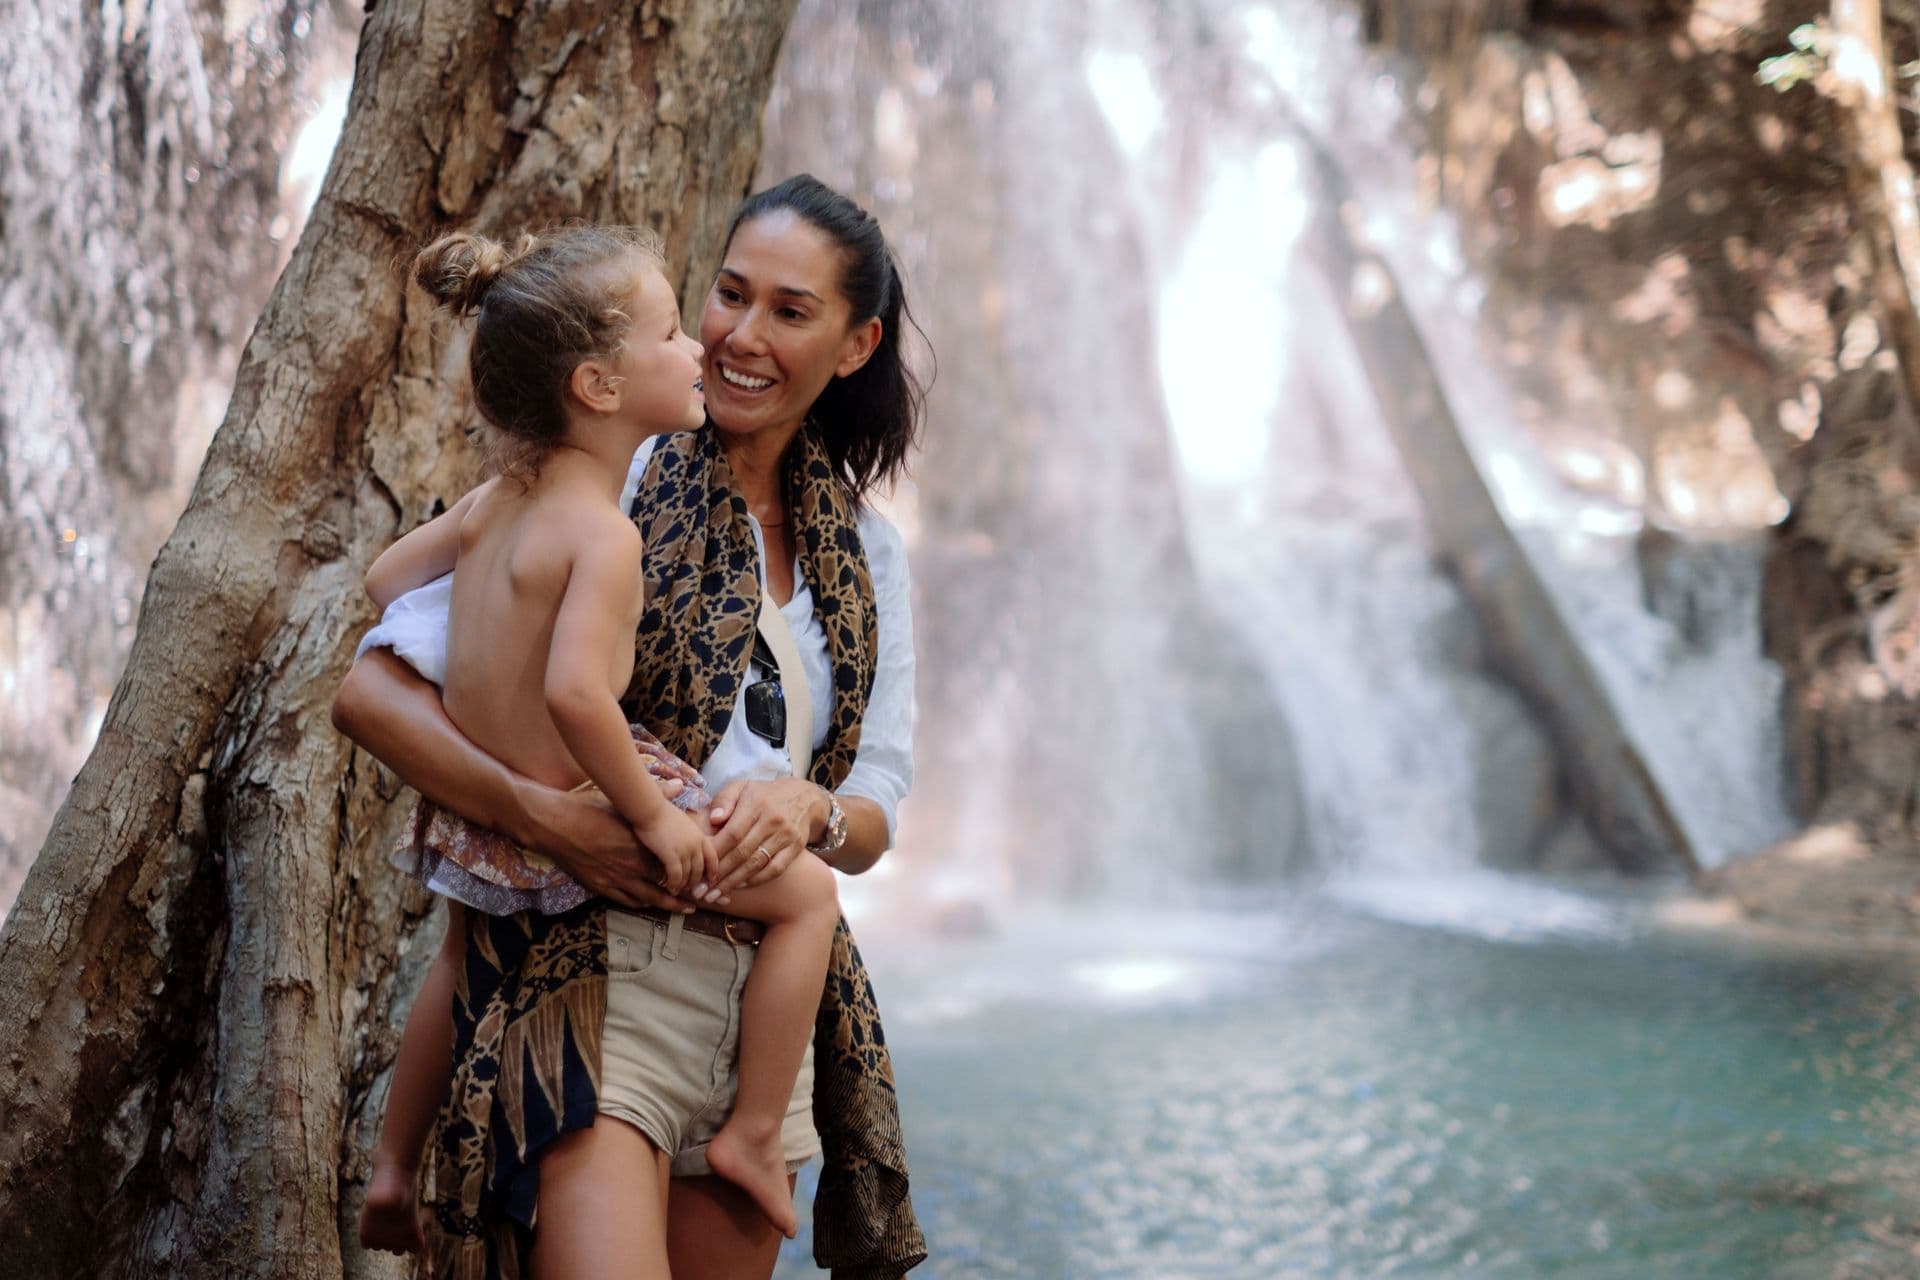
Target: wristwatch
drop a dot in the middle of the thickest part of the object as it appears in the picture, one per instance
(836, 828)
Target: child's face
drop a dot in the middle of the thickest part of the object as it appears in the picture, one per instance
(660, 365)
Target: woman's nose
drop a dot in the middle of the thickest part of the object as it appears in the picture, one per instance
(749, 335)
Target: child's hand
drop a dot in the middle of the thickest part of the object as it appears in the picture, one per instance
(685, 851)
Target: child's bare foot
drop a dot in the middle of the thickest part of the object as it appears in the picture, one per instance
(760, 1169)
(390, 1219)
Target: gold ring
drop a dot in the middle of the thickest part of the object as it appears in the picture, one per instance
(761, 852)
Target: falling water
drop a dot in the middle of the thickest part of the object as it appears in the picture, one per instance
(1298, 506)
(1081, 191)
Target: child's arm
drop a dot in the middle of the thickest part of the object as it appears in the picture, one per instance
(421, 555)
(587, 631)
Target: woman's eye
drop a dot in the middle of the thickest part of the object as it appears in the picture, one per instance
(792, 313)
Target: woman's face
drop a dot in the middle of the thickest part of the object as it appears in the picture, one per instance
(776, 327)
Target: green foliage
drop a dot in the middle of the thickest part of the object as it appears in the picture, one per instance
(1812, 45)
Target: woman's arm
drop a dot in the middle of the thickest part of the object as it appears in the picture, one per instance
(420, 555)
(396, 716)
(868, 836)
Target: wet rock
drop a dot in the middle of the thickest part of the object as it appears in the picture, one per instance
(1842, 617)
(1831, 881)
(1516, 791)
(1572, 850)
(1705, 586)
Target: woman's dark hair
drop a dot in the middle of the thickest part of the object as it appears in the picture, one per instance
(542, 307)
(870, 419)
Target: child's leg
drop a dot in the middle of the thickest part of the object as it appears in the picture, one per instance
(422, 1071)
(777, 1011)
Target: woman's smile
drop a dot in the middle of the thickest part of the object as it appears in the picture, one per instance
(741, 379)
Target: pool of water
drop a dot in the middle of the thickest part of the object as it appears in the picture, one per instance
(1459, 1079)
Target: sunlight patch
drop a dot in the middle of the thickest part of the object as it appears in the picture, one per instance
(1135, 979)
(313, 147)
(1124, 91)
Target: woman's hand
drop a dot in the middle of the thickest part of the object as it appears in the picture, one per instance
(760, 827)
(595, 846)
(397, 717)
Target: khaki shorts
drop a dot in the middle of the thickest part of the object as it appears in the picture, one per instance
(672, 1037)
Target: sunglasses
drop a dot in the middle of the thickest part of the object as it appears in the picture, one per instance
(766, 700)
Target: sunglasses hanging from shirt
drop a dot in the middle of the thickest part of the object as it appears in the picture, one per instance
(780, 707)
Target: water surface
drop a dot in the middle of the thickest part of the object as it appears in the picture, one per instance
(1402, 1080)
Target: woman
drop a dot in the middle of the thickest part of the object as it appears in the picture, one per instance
(811, 407)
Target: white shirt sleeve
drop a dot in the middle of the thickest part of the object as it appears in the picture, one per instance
(415, 628)
(883, 769)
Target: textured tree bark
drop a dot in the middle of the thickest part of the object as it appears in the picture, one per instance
(196, 980)
(140, 157)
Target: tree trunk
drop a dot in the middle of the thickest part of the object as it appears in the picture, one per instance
(1881, 183)
(140, 205)
(195, 983)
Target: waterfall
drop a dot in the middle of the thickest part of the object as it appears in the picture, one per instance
(1298, 506)
(1402, 746)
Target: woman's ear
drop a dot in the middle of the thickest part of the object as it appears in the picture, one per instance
(595, 386)
(862, 341)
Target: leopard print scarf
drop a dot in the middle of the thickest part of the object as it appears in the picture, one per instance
(531, 1001)
(695, 640)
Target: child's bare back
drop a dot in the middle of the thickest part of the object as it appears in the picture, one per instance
(525, 551)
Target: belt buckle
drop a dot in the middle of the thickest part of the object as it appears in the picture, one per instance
(727, 930)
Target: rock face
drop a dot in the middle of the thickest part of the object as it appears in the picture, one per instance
(1679, 290)
(1843, 619)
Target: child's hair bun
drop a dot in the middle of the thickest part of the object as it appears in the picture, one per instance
(457, 270)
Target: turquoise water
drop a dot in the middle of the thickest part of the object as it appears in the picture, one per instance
(1316, 1091)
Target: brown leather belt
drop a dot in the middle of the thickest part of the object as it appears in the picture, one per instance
(715, 924)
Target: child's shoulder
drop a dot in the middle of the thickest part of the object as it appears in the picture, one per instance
(479, 502)
(591, 525)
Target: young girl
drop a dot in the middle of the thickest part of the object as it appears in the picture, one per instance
(577, 357)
